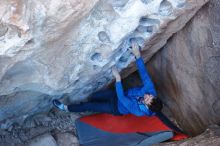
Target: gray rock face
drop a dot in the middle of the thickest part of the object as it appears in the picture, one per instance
(43, 140)
(57, 124)
(187, 71)
(210, 137)
(66, 139)
(61, 47)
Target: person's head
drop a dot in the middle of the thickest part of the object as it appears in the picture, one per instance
(153, 103)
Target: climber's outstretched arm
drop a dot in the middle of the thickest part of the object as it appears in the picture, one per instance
(148, 84)
(128, 104)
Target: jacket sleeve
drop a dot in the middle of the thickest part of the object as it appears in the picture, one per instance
(148, 84)
(130, 106)
(134, 92)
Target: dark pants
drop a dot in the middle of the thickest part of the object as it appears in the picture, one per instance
(105, 101)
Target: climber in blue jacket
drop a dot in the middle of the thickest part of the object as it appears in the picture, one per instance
(139, 101)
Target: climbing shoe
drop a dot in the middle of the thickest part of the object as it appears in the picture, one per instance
(60, 105)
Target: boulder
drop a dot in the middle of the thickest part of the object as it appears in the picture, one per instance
(68, 47)
(38, 125)
(66, 139)
(186, 71)
(43, 140)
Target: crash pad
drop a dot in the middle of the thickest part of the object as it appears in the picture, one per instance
(129, 130)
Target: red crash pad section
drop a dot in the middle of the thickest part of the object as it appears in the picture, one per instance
(179, 136)
(125, 123)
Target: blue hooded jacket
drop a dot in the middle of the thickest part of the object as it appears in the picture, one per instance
(128, 101)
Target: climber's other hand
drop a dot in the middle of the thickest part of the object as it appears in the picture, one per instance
(116, 73)
(135, 49)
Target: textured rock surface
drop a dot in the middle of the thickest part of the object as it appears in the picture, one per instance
(43, 140)
(187, 71)
(68, 46)
(211, 137)
(66, 139)
(38, 125)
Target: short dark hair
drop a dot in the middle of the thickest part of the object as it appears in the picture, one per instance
(156, 105)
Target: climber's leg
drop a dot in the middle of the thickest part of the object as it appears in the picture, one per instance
(102, 107)
(104, 95)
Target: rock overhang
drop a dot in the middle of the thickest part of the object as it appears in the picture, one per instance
(69, 47)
